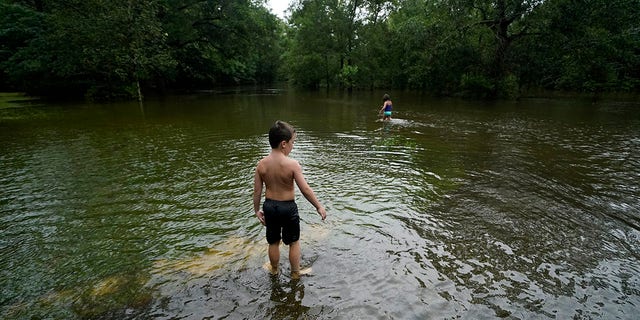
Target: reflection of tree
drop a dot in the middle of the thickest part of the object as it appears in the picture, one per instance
(287, 299)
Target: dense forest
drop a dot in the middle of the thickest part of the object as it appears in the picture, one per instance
(112, 49)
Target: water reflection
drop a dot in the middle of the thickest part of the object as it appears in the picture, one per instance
(287, 299)
(451, 210)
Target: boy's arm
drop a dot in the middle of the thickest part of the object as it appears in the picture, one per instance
(257, 196)
(306, 190)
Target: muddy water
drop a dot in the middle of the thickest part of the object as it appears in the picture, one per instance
(454, 209)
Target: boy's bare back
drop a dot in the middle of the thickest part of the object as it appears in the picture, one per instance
(277, 172)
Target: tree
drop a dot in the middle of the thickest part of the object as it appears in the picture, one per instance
(507, 21)
(587, 46)
(313, 50)
(222, 41)
(372, 52)
(475, 48)
(601, 51)
(104, 54)
(335, 41)
(19, 27)
(110, 49)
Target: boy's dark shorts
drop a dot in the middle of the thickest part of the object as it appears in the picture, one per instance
(282, 220)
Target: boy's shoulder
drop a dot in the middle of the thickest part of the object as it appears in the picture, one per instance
(283, 161)
(290, 164)
(290, 161)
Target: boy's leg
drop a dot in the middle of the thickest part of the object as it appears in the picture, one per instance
(274, 256)
(294, 256)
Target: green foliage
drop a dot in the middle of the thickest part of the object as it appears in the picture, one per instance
(348, 76)
(508, 87)
(475, 86)
(307, 71)
(218, 42)
(19, 28)
(588, 46)
(106, 49)
(603, 54)
(313, 55)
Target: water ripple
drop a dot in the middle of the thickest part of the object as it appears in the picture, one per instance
(450, 212)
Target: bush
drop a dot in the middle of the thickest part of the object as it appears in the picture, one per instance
(475, 86)
(508, 87)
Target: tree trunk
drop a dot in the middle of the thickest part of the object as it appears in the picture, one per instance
(139, 91)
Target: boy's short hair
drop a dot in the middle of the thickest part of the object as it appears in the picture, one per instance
(280, 131)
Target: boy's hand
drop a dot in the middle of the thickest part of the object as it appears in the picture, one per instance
(260, 216)
(322, 213)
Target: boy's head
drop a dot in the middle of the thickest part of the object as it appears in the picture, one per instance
(386, 97)
(280, 131)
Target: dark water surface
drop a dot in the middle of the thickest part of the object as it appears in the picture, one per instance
(456, 209)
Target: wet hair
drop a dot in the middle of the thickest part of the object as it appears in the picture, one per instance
(280, 131)
(386, 97)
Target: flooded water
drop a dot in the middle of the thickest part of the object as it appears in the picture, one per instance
(454, 209)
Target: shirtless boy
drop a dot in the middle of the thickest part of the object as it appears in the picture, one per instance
(277, 172)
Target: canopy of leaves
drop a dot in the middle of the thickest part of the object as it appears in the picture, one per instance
(477, 48)
(105, 48)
